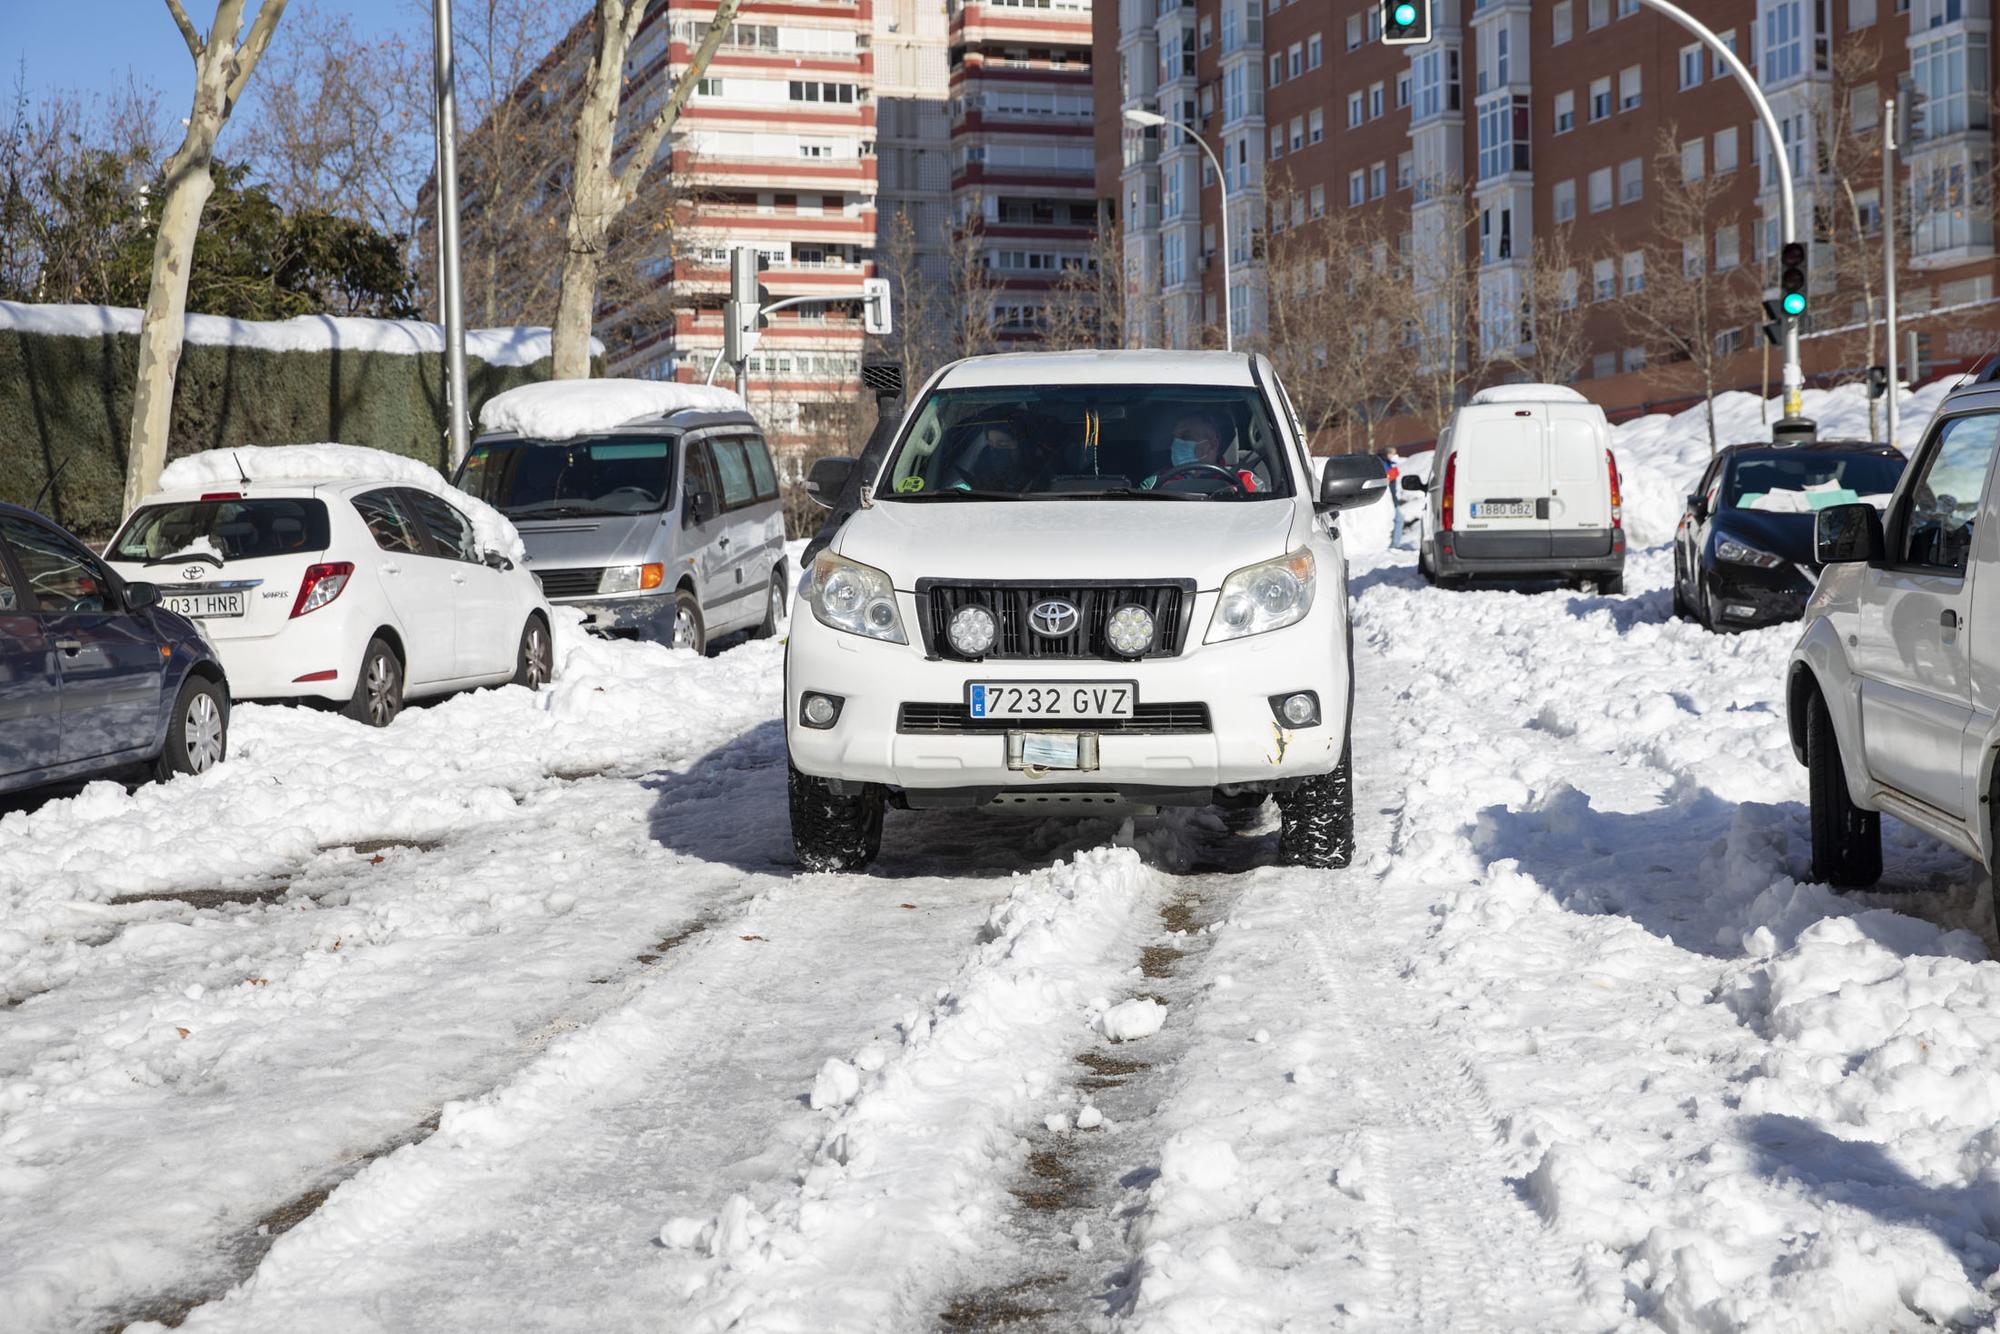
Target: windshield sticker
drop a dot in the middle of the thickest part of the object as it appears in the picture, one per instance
(910, 484)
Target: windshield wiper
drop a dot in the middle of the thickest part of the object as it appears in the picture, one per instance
(216, 561)
(955, 493)
(1128, 493)
(557, 509)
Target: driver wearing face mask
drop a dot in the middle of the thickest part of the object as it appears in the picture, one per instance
(1195, 443)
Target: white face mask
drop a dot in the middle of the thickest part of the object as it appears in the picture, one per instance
(1181, 451)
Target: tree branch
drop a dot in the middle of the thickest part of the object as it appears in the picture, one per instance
(188, 33)
(252, 49)
(649, 143)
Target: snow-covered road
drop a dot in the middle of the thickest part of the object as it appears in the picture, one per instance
(516, 1015)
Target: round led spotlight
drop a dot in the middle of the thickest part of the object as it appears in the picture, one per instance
(1130, 630)
(1299, 709)
(972, 631)
(820, 711)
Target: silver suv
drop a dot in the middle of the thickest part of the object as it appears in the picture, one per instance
(1895, 684)
(665, 527)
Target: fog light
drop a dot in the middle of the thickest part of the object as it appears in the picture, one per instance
(1298, 709)
(1130, 630)
(973, 631)
(819, 711)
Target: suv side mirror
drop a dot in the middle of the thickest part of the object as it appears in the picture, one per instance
(698, 506)
(826, 480)
(141, 594)
(1349, 480)
(1412, 482)
(1843, 533)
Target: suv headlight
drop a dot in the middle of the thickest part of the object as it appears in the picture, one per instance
(857, 598)
(1739, 553)
(1264, 597)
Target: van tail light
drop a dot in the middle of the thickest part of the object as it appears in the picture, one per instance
(321, 585)
(1450, 485)
(1617, 498)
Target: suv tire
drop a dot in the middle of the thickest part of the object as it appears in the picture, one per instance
(1846, 840)
(378, 695)
(1317, 817)
(831, 832)
(197, 730)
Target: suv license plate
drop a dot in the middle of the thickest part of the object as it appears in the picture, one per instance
(1051, 699)
(1503, 509)
(205, 606)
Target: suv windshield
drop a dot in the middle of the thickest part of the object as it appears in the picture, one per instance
(1090, 441)
(1796, 483)
(539, 479)
(223, 530)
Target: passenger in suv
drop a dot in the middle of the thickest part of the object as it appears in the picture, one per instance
(1104, 625)
(1891, 695)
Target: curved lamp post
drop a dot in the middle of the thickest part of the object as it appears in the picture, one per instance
(1153, 120)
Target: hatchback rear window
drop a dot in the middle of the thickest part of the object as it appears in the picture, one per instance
(243, 529)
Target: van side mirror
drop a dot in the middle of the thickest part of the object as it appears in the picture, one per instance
(827, 479)
(1350, 480)
(1844, 533)
(698, 507)
(1412, 482)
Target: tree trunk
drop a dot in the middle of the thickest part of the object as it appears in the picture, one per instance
(576, 307)
(164, 327)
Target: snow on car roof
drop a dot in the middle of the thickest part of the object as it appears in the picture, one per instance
(566, 409)
(1031, 368)
(225, 469)
(1529, 393)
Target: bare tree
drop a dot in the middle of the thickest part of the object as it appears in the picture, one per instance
(598, 193)
(1684, 297)
(1440, 315)
(223, 62)
(1554, 318)
(1085, 307)
(918, 333)
(973, 325)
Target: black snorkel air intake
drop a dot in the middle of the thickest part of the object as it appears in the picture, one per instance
(885, 378)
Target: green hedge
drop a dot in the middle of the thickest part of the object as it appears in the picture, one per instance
(71, 398)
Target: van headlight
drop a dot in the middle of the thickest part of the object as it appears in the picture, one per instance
(1264, 597)
(857, 598)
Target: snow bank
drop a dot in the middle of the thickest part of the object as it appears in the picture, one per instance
(517, 346)
(566, 409)
(226, 468)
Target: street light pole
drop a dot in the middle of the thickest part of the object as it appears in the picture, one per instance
(1889, 256)
(1153, 120)
(451, 298)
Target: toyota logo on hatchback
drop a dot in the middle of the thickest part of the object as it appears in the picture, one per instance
(194, 574)
(1053, 619)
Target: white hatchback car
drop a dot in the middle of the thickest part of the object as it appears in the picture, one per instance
(1080, 578)
(362, 592)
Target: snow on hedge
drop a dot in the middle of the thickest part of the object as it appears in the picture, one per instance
(330, 462)
(518, 346)
(566, 409)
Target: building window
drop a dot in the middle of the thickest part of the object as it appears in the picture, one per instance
(1782, 48)
(1603, 364)
(1725, 151)
(1727, 255)
(1503, 135)
(1436, 87)
(1690, 66)
(1634, 265)
(1631, 181)
(1357, 187)
(1635, 359)
(1374, 101)
(1598, 13)
(1716, 68)
(1319, 201)
(1298, 134)
(1728, 342)
(1277, 71)
(1403, 171)
(1315, 125)
(1207, 32)
(1277, 142)
(1564, 24)
(1353, 32)
(1353, 110)
(1627, 8)
(1600, 189)
(1693, 157)
(1860, 13)
(1295, 60)
(1315, 51)
(1951, 84)
(1565, 111)
(1402, 90)
(1373, 14)
(1378, 180)
(1628, 88)
(1604, 280)
(1600, 99)
(1564, 200)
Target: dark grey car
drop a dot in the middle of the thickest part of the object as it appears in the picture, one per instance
(666, 527)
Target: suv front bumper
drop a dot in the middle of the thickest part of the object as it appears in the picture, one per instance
(1244, 744)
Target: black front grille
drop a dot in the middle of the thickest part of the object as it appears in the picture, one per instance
(1154, 719)
(1169, 603)
(569, 583)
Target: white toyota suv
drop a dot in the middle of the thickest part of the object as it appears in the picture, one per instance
(1895, 683)
(1080, 578)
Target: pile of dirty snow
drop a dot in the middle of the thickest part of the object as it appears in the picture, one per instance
(567, 409)
(331, 462)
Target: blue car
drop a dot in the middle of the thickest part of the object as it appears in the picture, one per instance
(94, 674)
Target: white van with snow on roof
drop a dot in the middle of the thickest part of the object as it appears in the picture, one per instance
(1524, 486)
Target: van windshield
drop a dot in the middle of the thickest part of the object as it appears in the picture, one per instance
(223, 530)
(540, 479)
(1090, 442)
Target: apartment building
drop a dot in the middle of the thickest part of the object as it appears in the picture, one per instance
(1551, 113)
(1023, 161)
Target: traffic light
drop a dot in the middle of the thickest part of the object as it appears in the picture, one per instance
(1878, 381)
(1792, 279)
(1406, 22)
(1774, 322)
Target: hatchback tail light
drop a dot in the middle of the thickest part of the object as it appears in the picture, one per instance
(1617, 498)
(1450, 484)
(321, 585)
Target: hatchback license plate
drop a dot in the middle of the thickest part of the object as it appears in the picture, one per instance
(1503, 509)
(204, 606)
(1051, 699)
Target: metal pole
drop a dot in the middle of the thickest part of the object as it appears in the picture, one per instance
(452, 297)
(1889, 256)
(1221, 184)
(1794, 372)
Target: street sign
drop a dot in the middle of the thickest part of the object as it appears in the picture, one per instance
(875, 314)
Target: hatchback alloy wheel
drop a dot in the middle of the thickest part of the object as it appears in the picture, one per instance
(201, 733)
(384, 690)
(536, 657)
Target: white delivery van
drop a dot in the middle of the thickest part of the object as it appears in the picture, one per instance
(1524, 486)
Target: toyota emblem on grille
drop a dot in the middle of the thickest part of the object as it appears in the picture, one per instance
(1053, 619)
(193, 574)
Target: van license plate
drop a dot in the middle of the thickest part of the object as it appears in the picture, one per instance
(1051, 699)
(1503, 509)
(204, 606)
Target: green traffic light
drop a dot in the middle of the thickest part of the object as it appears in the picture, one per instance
(1795, 303)
(1404, 15)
